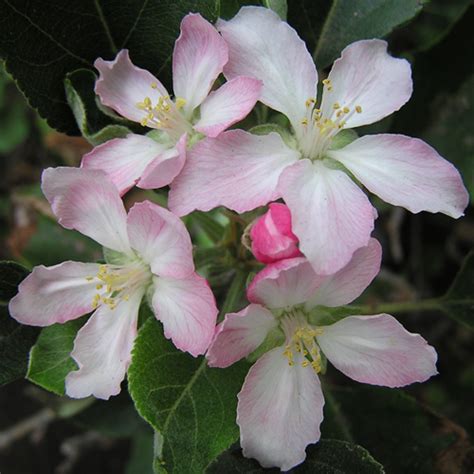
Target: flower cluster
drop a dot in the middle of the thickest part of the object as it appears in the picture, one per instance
(317, 245)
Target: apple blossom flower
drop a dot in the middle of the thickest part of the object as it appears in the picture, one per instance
(311, 170)
(280, 406)
(148, 254)
(153, 161)
(271, 235)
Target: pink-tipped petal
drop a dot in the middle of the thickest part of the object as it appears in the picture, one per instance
(279, 411)
(284, 284)
(378, 350)
(348, 283)
(239, 335)
(161, 240)
(161, 171)
(124, 159)
(405, 172)
(188, 311)
(237, 170)
(228, 105)
(102, 350)
(367, 76)
(272, 237)
(55, 294)
(87, 201)
(198, 58)
(264, 47)
(331, 216)
(122, 85)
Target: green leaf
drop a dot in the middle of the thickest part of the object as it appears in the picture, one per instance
(280, 7)
(11, 274)
(191, 405)
(458, 302)
(42, 43)
(207, 222)
(329, 456)
(400, 433)
(434, 22)
(50, 359)
(94, 125)
(15, 343)
(360, 19)
(451, 131)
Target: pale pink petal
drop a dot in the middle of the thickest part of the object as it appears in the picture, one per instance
(102, 350)
(405, 172)
(122, 85)
(188, 311)
(348, 283)
(367, 76)
(331, 216)
(161, 240)
(228, 105)
(279, 411)
(161, 171)
(55, 294)
(284, 284)
(237, 170)
(378, 350)
(198, 58)
(87, 201)
(124, 159)
(264, 47)
(239, 335)
(272, 237)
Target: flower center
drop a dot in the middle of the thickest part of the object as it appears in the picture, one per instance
(321, 126)
(301, 346)
(116, 283)
(165, 115)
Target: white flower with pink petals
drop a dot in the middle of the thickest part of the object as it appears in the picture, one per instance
(272, 237)
(200, 54)
(280, 406)
(332, 216)
(148, 253)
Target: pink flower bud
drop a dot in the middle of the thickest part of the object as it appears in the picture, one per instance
(272, 238)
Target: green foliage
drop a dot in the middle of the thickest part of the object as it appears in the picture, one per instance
(458, 302)
(41, 45)
(50, 361)
(380, 419)
(94, 124)
(15, 339)
(191, 405)
(451, 131)
(11, 274)
(329, 456)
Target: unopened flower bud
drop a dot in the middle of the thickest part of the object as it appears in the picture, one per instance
(272, 238)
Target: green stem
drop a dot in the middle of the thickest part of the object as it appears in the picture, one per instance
(402, 307)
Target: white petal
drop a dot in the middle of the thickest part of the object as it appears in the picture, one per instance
(102, 350)
(264, 47)
(240, 334)
(378, 350)
(279, 411)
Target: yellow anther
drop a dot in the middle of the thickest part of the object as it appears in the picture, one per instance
(89, 278)
(180, 103)
(358, 109)
(144, 122)
(346, 110)
(336, 106)
(341, 125)
(147, 102)
(154, 85)
(305, 363)
(327, 82)
(309, 102)
(304, 121)
(99, 286)
(340, 113)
